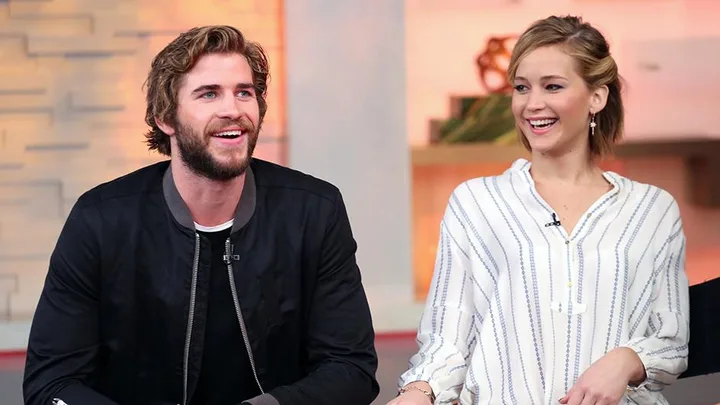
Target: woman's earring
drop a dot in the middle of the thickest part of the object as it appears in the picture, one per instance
(593, 124)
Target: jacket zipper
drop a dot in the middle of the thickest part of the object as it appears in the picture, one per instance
(229, 257)
(191, 318)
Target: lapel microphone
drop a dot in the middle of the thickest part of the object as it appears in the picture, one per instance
(555, 221)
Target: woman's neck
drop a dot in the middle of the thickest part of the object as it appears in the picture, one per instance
(570, 168)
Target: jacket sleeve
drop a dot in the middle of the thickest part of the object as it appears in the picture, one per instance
(664, 348)
(704, 352)
(340, 335)
(450, 319)
(62, 354)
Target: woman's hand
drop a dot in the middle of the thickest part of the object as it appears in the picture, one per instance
(411, 397)
(414, 396)
(606, 380)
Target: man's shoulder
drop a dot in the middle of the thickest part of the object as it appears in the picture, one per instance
(142, 181)
(272, 176)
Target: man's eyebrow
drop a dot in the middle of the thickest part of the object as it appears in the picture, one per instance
(216, 87)
(205, 87)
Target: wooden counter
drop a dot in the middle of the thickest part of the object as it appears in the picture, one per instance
(701, 157)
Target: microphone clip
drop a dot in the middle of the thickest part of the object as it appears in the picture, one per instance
(229, 255)
(555, 221)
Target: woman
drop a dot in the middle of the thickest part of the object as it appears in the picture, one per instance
(556, 282)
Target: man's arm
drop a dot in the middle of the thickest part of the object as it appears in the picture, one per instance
(64, 338)
(704, 352)
(341, 339)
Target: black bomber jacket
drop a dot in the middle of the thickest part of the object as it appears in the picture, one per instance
(117, 320)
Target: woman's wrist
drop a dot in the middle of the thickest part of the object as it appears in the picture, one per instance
(421, 387)
(635, 366)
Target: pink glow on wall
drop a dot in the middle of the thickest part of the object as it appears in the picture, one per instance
(442, 43)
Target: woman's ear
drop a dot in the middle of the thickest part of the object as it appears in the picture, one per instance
(598, 99)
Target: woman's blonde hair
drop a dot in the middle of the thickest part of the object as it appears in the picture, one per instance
(591, 53)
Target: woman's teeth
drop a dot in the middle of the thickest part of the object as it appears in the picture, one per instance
(542, 123)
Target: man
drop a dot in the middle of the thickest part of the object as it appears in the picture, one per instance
(211, 278)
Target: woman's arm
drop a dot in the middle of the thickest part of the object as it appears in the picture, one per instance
(646, 364)
(664, 348)
(449, 322)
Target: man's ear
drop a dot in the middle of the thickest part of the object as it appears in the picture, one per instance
(598, 99)
(168, 129)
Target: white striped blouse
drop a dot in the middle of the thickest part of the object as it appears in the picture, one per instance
(517, 310)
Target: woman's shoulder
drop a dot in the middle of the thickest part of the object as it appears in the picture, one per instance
(646, 196)
(508, 181)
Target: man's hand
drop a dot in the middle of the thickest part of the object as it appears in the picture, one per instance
(606, 380)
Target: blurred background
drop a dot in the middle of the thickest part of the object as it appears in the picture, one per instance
(394, 101)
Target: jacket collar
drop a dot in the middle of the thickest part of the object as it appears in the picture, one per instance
(181, 213)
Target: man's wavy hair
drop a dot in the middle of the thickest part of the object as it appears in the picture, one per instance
(177, 58)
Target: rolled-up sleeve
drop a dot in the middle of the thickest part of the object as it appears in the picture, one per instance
(664, 347)
(447, 330)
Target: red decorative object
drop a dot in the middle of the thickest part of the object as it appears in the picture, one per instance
(493, 62)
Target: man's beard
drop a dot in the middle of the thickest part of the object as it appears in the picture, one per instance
(195, 151)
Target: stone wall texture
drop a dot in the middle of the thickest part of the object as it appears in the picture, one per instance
(72, 107)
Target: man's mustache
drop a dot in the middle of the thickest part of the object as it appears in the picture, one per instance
(243, 123)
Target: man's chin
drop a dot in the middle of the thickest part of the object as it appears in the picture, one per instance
(227, 172)
(233, 163)
(218, 171)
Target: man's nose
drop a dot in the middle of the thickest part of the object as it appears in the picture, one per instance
(230, 108)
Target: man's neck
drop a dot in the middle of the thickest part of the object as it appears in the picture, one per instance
(210, 202)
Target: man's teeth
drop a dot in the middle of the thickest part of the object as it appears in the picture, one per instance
(229, 134)
(542, 123)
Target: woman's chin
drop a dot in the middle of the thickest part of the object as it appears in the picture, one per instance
(543, 144)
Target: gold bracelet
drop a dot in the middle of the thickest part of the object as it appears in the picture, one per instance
(427, 393)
